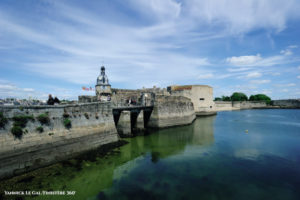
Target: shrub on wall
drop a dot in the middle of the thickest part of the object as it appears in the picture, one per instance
(40, 129)
(3, 120)
(44, 119)
(86, 115)
(17, 131)
(67, 123)
(21, 120)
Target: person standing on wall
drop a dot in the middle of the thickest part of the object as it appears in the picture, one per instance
(50, 100)
(56, 100)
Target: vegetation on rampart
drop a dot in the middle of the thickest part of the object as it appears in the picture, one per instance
(3, 120)
(260, 97)
(44, 119)
(239, 96)
(20, 122)
(40, 129)
(67, 122)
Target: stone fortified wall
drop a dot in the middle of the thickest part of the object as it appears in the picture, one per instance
(200, 95)
(238, 105)
(92, 125)
(171, 111)
(289, 103)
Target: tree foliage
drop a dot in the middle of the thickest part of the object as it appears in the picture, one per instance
(260, 97)
(238, 96)
(226, 98)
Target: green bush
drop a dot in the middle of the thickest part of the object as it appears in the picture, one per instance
(21, 120)
(44, 119)
(67, 123)
(260, 97)
(238, 96)
(3, 120)
(17, 131)
(40, 129)
(226, 98)
(218, 99)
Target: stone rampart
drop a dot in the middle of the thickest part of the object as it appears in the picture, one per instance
(289, 103)
(238, 105)
(171, 111)
(91, 126)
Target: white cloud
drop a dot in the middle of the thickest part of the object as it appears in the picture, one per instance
(206, 76)
(243, 15)
(275, 73)
(244, 60)
(260, 81)
(298, 76)
(285, 85)
(293, 46)
(162, 10)
(238, 69)
(258, 61)
(10, 90)
(253, 75)
(28, 90)
(286, 52)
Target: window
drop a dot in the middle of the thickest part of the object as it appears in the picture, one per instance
(201, 99)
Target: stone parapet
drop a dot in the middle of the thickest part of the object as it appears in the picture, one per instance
(92, 125)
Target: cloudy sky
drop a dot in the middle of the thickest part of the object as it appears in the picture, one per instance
(57, 47)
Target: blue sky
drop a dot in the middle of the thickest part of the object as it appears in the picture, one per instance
(56, 47)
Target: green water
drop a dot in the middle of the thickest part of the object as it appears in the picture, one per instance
(249, 154)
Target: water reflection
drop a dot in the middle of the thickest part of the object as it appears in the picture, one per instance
(172, 141)
(89, 178)
(213, 158)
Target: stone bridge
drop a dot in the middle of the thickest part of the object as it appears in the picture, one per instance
(131, 120)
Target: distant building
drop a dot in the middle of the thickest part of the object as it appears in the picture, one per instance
(200, 95)
(103, 88)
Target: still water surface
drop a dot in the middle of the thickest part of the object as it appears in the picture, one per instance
(249, 154)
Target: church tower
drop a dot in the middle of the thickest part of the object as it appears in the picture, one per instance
(103, 88)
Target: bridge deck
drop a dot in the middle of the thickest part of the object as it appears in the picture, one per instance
(133, 107)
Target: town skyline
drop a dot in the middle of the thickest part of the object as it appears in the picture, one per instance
(57, 47)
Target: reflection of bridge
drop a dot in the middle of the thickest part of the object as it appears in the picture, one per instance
(130, 120)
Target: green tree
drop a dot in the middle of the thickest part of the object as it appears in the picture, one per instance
(238, 96)
(226, 98)
(218, 99)
(260, 97)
